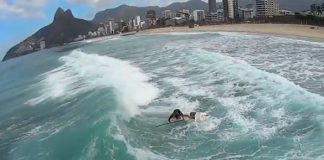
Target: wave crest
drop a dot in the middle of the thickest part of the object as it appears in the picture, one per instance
(82, 72)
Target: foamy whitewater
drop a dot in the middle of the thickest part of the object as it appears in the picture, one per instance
(102, 99)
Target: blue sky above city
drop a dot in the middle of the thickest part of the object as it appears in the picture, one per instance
(20, 18)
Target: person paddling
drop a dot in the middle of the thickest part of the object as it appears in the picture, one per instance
(178, 116)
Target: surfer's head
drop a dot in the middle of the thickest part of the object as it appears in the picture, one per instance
(177, 114)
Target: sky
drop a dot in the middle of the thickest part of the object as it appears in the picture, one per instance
(21, 18)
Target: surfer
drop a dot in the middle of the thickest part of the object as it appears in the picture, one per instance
(178, 115)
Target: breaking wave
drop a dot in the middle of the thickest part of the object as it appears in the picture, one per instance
(82, 72)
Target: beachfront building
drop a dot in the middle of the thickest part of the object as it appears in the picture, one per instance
(215, 17)
(184, 12)
(199, 15)
(266, 8)
(168, 14)
(246, 14)
(231, 11)
(111, 28)
(42, 45)
(138, 21)
(225, 9)
(212, 6)
(286, 13)
(150, 19)
(142, 24)
(102, 30)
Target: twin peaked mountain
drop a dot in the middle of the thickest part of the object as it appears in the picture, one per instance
(64, 29)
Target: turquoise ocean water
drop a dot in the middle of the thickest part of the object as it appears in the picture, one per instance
(101, 99)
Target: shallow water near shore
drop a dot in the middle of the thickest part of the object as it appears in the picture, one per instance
(103, 99)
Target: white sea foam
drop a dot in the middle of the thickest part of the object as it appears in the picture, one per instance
(138, 153)
(236, 112)
(83, 72)
(248, 73)
(275, 89)
(187, 33)
(211, 124)
(181, 103)
(90, 151)
(189, 87)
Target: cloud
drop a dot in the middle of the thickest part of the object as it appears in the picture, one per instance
(104, 4)
(97, 4)
(22, 8)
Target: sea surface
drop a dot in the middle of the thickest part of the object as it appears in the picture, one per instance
(103, 98)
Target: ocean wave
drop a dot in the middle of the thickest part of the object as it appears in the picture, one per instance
(82, 72)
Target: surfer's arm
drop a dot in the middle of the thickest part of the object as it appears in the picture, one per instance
(169, 120)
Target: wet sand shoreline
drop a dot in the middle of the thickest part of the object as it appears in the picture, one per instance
(308, 32)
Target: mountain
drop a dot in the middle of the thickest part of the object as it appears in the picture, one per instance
(127, 12)
(64, 29)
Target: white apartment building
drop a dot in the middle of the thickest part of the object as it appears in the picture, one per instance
(266, 8)
(231, 9)
(138, 20)
(199, 15)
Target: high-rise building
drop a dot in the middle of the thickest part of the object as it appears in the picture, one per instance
(266, 8)
(230, 8)
(212, 6)
(184, 13)
(215, 17)
(111, 24)
(199, 15)
(246, 14)
(225, 9)
(168, 14)
(138, 20)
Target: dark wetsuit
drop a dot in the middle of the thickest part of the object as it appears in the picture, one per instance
(177, 114)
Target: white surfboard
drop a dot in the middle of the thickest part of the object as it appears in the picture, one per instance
(200, 117)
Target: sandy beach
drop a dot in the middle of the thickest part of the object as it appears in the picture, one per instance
(293, 30)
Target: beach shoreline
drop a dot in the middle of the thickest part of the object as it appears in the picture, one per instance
(286, 30)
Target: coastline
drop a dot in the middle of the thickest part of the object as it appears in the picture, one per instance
(287, 30)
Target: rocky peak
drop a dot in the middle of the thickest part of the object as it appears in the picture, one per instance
(61, 14)
(64, 29)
